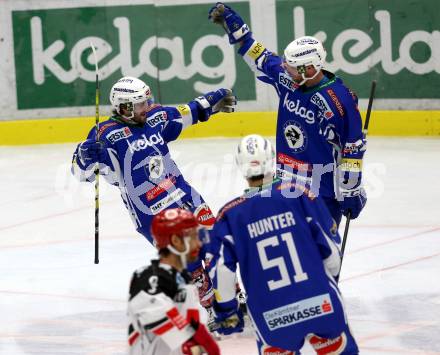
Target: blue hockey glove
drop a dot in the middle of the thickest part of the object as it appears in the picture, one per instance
(215, 101)
(232, 22)
(90, 151)
(354, 201)
(228, 322)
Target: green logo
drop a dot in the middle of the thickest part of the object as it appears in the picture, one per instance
(177, 56)
(395, 42)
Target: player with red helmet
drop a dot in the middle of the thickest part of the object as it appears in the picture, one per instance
(163, 304)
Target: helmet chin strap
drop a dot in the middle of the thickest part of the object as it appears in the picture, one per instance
(128, 118)
(312, 77)
(182, 254)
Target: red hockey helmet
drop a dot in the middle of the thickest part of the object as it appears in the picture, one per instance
(169, 222)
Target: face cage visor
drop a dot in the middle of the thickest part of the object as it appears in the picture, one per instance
(298, 70)
(133, 108)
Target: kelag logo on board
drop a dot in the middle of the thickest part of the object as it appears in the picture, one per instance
(178, 56)
(395, 42)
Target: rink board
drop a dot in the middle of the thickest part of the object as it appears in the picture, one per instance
(63, 130)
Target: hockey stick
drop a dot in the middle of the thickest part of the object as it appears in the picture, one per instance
(97, 164)
(364, 131)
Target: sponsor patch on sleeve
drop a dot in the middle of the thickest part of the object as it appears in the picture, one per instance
(157, 118)
(256, 50)
(354, 165)
(336, 102)
(322, 104)
(230, 205)
(184, 109)
(105, 126)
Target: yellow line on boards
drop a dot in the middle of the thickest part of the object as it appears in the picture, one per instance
(238, 124)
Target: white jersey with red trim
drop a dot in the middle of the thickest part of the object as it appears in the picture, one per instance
(160, 308)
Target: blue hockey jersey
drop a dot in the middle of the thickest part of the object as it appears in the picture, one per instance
(138, 162)
(288, 255)
(319, 136)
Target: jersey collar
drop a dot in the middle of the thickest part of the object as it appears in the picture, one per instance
(254, 190)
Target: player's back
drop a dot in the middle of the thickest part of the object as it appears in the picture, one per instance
(281, 266)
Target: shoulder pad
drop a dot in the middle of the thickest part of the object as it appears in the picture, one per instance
(153, 108)
(291, 185)
(156, 116)
(115, 135)
(154, 279)
(337, 100)
(105, 126)
(230, 205)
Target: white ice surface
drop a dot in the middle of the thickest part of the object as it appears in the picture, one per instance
(54, 300)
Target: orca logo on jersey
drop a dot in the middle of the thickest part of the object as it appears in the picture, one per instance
(300, 111)
(295, 136)
(145, 142)
(156, 167)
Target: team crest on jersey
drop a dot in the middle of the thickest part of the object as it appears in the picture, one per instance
(118, 134)
(323, 106)
(155, 167)
(296, 136)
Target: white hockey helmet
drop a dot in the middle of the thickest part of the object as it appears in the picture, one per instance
(255, 156)
(305, 51)
(129, 91)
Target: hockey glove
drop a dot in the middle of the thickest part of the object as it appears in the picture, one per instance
(90, 151)
(354, 201)
(201, 338)
(215, 101)
(203, 283)
(229, 322)
(232, 22)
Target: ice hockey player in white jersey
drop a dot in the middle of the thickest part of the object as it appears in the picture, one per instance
(163, 304)
(288, 255)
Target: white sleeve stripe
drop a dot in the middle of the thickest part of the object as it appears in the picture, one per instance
(226, 280)
(251, 63)
(122, 188)
(187, 121)
(230, 239)
(333, 261)
(175, 337)
(338, 294)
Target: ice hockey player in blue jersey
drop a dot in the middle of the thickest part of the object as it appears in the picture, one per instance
(319, 128)
(288, 256)
(133, 153)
